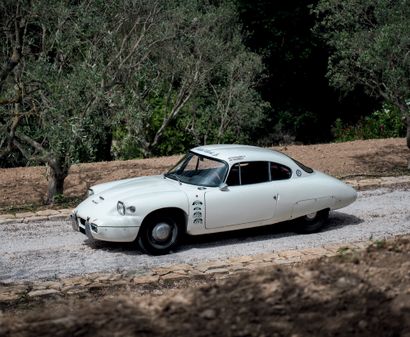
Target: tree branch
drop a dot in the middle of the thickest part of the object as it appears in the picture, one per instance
(15, 57)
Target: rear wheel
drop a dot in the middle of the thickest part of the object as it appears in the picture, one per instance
(159, 235)
(313, 222)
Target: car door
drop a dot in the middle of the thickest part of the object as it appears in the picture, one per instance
(250, 197)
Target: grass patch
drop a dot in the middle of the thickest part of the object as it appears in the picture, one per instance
(348, 254)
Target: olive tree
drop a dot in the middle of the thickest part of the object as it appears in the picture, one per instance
(199, 80)
(63, 65)
(73, 71)
(370, 43)
(45, 82)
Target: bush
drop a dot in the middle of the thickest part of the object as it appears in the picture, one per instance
(385, 123)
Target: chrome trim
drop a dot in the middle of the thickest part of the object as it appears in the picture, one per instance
(88, 229)
(74, 222)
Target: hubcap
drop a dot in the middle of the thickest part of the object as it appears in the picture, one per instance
(161, 231)
(311, 216)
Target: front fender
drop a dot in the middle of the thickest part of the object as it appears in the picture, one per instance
(155, 201)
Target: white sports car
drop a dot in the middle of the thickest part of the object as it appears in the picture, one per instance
(214, 188)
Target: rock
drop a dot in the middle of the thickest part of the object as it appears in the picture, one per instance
(77, 281)
(103, 278)
(47, 212)
(217, 271)
(208, 314)
(7, 221)
(41, 293)
(362, 324)
(182, 267)
(237, 268)
(7, 217)
(181, 299)
(57, 217)
(76, 290)
(9, 297)
(241, 259)
(290, 254)
(207, 267)
(35, 219)
(65, 212)
(346, 282)
(24, 215)
(145, 279)
(401, 304)
(174, 277)
(162, 271)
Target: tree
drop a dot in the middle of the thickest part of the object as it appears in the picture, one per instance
(229, 108)
(46, 84)
(304, 105)
(72, 70)
(370, 43)
(199, 81)
(62, 64)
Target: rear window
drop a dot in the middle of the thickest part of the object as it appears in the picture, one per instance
(279, 172)
(303, 167)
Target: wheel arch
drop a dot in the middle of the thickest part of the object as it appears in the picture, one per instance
(177, 213)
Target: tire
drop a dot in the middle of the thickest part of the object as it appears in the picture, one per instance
(313, 222)
(159, 235)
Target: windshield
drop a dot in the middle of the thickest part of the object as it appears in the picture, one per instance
(199, 170)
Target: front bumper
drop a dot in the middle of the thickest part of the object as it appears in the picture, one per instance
(95, 231)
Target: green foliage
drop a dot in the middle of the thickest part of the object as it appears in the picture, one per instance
(156, 77)
(369, 42)
(385, 123)
(198, 87)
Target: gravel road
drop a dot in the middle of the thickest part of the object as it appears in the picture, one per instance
(46, 250)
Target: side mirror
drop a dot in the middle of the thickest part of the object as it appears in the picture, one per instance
(223, 187)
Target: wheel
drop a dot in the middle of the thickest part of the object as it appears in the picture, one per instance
(313, 222)
(159, 235)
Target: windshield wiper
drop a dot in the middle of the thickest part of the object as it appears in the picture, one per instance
(173, 175)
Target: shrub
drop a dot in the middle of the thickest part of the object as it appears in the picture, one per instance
(384, 123)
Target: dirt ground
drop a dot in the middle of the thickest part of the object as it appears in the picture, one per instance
(352, 294)
(27, 185)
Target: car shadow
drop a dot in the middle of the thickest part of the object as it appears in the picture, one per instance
(285, 229)
(337, 220)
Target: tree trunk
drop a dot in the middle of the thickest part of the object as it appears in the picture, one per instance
(408, 136)
(408, 130)
(56, 179)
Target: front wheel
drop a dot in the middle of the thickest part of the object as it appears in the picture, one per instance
(159, 235)
(313, 222)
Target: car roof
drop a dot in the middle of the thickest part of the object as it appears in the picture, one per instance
(233, 153)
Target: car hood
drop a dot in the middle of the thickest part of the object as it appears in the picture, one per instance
(129, 189)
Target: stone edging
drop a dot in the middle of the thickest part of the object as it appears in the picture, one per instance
(44, 215)
(218, 269)
(62, 214)
(370, 183)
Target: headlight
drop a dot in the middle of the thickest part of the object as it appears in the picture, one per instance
(90, 192)
(121, 207)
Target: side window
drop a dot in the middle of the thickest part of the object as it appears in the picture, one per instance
(254, 172)
(248, 173)
(279, 172)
